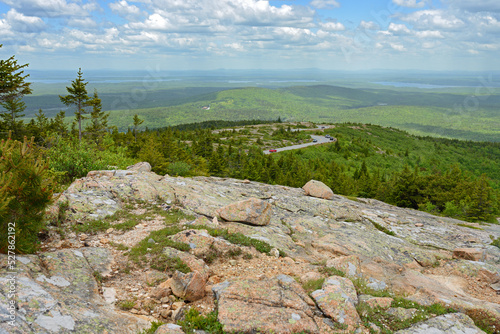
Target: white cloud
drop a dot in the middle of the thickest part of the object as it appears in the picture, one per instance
(433, 19)
(22, 23)
(475, 5)
(398, 28)
(429, 34)
(124, 9)
(51, 8)
(332, 26)
(370, 25)
(322, 4)
(398, 47)
(82, 22)
(410, 3)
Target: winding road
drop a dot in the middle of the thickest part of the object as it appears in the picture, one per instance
(320, 140)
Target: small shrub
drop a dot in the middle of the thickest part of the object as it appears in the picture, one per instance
(195, 321)
(485, 320)
(126, 305)
(313, 285)
(382, 228)
(26, 189)
(331, 271)
(151, 330)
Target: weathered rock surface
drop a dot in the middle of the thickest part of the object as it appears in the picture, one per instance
(252, 211)
(338, 299)
(190, 286)
(472, 254)
(278, 305)
(56, 293)
(318, 189)
(339, 232)
(169, 329)
(453, 323)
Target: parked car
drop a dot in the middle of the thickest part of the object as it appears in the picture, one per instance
(273, 150)
(315, 140)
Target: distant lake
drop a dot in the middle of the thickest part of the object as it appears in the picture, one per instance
(412, 84)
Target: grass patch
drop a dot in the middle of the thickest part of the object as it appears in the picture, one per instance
(126, 305)
(388, 323)
(91, 227)
(129, 220)
(118, 246)
(496, 242)
(162, 262)
(381, 228)
(470, 226)
(331, 271)
(313, 285)
(484, 320)
(238, 239)
(146, 252)
(362, 288)
(151, 330)
(195, 321)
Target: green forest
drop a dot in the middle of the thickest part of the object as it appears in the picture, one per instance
(447, 177)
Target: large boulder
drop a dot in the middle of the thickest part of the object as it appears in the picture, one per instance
(270, 305)
(337, 299)
(143, 166)
(190, 286)
(318, 189)
(252, 211)
(472, 254)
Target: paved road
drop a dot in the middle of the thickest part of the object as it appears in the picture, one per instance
(320, 140)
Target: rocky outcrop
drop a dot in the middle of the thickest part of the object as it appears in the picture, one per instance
(444, 324)
(252, 211)
(56, 292)
(338, 299)
(417, 260)
(318, 189)
(275, 305)
(472, 254)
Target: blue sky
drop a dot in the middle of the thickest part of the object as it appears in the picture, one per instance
(248, 34)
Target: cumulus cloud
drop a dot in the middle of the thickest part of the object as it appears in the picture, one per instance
(398, 28)
(23, 23)
(410, 3)
(368, 25)
(429, 34)
(322, 4)
(51, 8)
(433, 19)
(124, 9)
(332, 26)
(475, 5)
(398, 47)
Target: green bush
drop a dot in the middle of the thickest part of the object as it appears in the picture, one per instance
(72, 159)
(26, 189)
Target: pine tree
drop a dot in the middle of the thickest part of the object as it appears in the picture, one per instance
(26, 188)
(13, 87)
(78, 97)
(98, 120)
(14, 107)
(137, 122)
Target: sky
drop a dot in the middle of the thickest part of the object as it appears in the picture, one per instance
(436, 35)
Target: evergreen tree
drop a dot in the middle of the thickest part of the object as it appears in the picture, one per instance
(137, 122)
(14, 107)
(98, 120)
(78, 97)
(13, 87)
